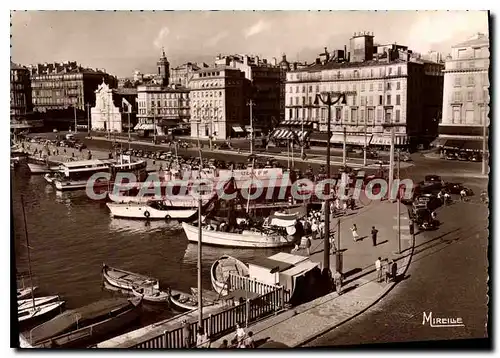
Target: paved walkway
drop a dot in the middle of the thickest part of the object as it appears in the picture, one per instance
(298, 326)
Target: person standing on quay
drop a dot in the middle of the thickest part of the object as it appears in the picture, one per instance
(186, 334)
(202, 340)
(374, 235)
(354, 230)
(378, 267)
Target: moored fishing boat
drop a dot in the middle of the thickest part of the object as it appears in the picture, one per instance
(220, 270)
(25, 292)
(151, 294)
(150, 210)
(243, 238)
(91, 322)
(39, 301)
(38, 168)
(127, 280)
(31, 313)
(189, 301)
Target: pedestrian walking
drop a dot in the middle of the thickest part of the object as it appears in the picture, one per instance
(337, 279)
(378, 267)
(202, 340)
(354, 230)
(249, 342)
(186, 334)
(240, 334)
(308, 246)
(463, 195)
(374, 236)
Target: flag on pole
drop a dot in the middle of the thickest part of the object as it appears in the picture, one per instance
(127, 104)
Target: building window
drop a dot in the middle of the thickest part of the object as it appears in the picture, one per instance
(399, 70)
(477, 53)
(457, 97)
(370, 100)
(379, 115)
(338, 113)
(296, 101)
(291, 101)
(380, 100)
(371, 72)
(398, 99)
(458, 81)
(362, 116)
(310, 88)
(317, 113)
(303, 113)
(388, 116)
(459, 65)
(303, 89)
(346, 115)
(469, 117)
(470, 81)
(362, 87)
(456, 114)
(317, 88)
(371, 87)
(370, 113)
(353, 100)
(390, 71)
(461, 53)
(380, 86)
(397, 115)
(388, 86)
(470, 96)
(398, 85)
(303, 101)
(354, 115)
(388, 99)
(296, 89)
(472, 64)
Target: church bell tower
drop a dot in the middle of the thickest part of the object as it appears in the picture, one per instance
(163, 69)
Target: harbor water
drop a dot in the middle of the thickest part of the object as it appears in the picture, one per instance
(71, 236)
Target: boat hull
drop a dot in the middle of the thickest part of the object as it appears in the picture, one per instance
(78, 337)
(246, 239)
(30, 314)
(126, 280)
(177, 300)
(41, 168)
(25, 292)
(39, 301)
(143, 211)
(239, 268)
(162, 297)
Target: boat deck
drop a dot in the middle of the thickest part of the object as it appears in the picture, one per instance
(130, 339)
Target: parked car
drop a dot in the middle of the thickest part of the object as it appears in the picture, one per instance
(450, 156)
(463, 156)
(430, 200)
(475, 157)
(456, 188)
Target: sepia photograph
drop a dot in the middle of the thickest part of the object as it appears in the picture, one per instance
(250, 179)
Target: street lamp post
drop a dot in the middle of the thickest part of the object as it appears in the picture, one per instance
(329, 103)
(88, 118)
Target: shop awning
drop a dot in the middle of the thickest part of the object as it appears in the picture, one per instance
(319, 136)
(386, 140)
(249, 129)
(453, 144)
(238, 129)
(296, 123)
(350, 139)
(144, 126)
(438, 142)
(284, 134)
(473, 145)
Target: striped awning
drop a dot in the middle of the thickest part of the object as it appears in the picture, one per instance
(238, 129)
(296, 123)
(144, 126)
(284, 134)
(386, 140)
(351, 139)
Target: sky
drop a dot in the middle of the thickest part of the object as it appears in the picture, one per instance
(123, 41)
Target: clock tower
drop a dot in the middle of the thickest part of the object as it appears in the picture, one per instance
(163, 69)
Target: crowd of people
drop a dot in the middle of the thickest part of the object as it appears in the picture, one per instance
(241, 339)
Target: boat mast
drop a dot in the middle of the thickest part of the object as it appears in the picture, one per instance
(250, 187)
(28, 247)
(200, 294)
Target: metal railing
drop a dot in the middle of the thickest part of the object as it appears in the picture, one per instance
(218, 324)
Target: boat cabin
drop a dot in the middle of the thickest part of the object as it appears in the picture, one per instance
(85, 168)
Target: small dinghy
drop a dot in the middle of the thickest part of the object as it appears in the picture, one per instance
(39, 301)
(220, 270)
(25, 292)
(151, 294)
(188, 302)
(127, 280)
(31, 313)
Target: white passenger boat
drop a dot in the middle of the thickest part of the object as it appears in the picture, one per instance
(178, 201)
(150, 210)
(37, 168)
(76, 175)
(28, 302)
(245, 238)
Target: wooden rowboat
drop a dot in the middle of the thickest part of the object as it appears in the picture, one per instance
(127, 280)
(220, 270)
(151, 294)
(32, 313)
(25, 292)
